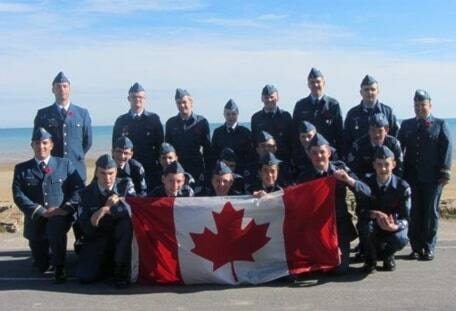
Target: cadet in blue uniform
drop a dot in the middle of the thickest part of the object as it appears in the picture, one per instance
(174, 183)
(265, 143)
(145, 130)
(228, 156)
(167, 156)
(361, 155)
(189, 133)
(356, 121)
(301, 160)
(385, 217)
(69, 125)
(275, 121)
(122, 153)
(320, 110)
(105, 221)
(44, 189)
(427, 149)
(320, 153)
(237, 137)
(222, 181)
(268, 172)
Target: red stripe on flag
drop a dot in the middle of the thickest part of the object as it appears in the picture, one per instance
(153, 223)
(309, 229)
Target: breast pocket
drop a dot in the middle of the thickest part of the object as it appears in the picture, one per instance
(55, 184)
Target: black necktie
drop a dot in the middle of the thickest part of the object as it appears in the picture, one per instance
(230, 130)
(63, 112)
(42, 167)
(383, 189)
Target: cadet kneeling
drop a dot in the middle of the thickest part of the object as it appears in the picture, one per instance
(384, 221)
(106, 225)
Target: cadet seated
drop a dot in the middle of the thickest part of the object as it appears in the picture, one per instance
(122, 153)
(228, 157)
(362, 152)
(173, 180)
(222, 181)
(105, 222)
(268, 172)
(167, 156)
(385, 217)
(265, 144)
(301, 160)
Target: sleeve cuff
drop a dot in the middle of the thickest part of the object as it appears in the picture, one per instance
(38, 212)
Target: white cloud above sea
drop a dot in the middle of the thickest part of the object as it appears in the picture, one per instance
(214, 66)
(102, 73)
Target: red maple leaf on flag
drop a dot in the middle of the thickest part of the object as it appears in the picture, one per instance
(231, 242)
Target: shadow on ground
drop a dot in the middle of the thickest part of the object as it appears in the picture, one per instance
(18, 273)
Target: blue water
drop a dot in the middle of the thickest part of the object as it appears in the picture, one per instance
(15, 143)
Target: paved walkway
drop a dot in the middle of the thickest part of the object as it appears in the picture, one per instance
(414, 285)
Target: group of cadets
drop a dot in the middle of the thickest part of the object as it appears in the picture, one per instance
(396, 175)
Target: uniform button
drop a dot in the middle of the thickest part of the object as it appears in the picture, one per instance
(45, 203)
(65, 143)
(64, 134)
(65, 152)
(64, 125)
(45, 193)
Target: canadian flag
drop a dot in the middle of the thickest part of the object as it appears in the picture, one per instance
(238, 239)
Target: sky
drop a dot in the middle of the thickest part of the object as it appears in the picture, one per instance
(219, 50)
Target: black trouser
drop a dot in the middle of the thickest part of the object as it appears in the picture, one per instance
(110, 245)
(372, 237)
(55, 240)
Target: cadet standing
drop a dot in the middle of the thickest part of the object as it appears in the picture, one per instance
(275, 121)
(69, 125)
(320, 110)
(237, 137)
(189, 132)
(145, 130)
(427, 149)
(44, 189)
(105, 221)
(356, 121)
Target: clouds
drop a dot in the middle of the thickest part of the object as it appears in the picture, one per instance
(105, 46)
(130, 6)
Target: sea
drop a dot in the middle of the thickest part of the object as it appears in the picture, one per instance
(15, 142)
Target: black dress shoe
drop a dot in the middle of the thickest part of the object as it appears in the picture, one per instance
(369, 268)
(389, 264)
(414, 256)
(427, 256)
(121, 276)
(59, 275)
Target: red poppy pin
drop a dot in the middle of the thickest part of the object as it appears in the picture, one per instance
(48, 170)
(427, 123)
(70, 113)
